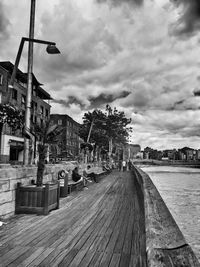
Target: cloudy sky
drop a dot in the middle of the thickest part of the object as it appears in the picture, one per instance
(139, 56)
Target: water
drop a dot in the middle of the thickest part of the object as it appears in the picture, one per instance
(180, 189)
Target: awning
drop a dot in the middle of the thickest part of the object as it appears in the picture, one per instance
(16, 144)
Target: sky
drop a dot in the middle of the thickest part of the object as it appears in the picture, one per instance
(141, 57)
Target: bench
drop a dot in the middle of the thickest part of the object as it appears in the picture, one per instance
(79, 185)
(74, 185)
(100, 173)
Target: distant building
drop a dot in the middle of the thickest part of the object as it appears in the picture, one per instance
(198, 154)
(70, 145)
(150, 153)
(12, 142)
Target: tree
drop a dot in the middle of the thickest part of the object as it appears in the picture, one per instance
(12, 116)
(45, 134)
(107, 125)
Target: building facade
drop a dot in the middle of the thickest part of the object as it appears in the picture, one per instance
(12, 142)
(69, 147)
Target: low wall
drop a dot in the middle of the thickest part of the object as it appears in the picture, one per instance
(165, 243)
(10, 176)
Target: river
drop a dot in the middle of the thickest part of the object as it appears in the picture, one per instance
(180, 189)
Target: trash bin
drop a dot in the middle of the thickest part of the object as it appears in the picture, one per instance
(63, 179)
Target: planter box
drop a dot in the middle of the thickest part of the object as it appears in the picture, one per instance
(39, 200)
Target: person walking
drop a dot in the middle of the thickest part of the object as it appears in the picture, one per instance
(120, 165)
(124, 165)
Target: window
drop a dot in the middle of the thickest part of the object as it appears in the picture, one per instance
(32, 118)
(46, 113)
(42, 110)
(34, 90)
(1, 79)
(23, 100)
(59, 122)
(34, 106)
(14, 94)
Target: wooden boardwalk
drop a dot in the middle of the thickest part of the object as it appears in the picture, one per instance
(101, 226)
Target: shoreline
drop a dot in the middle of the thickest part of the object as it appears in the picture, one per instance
(189, 164)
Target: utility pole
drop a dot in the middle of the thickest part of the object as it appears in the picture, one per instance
(29, 82)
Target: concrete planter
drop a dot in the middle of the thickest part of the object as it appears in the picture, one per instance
(39, 200)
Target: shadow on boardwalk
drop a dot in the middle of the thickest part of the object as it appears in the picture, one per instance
(101, 226)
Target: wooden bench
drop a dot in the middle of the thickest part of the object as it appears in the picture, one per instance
(79, 185)
(73, 185)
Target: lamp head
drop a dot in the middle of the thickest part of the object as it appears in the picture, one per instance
(52, 49)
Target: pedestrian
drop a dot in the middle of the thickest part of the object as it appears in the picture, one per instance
(120, 165)
(129, 165)
(124, 165)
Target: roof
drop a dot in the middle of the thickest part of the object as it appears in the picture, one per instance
(53, 116)
(22, 77)
(43, 94)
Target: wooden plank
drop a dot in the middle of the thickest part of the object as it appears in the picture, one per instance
(40, 257)
(115, 260)
(22, 257)
(32, 257)
(12, 254)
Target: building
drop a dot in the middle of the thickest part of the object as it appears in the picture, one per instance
(12, 142)
(131, 151)
(69, 148)
(150, 153)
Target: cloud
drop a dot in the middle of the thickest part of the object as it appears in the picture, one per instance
(106, 98)
(169, 129)
(120, 2)
(93, 101)
(189, 17)
(4, 23)
(116, 52)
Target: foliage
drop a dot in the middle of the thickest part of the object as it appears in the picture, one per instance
(87, 145)
(105, 125)
(12, 116)
(45, 134)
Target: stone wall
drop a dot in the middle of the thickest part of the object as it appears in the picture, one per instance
(165, 243)
(10, 176)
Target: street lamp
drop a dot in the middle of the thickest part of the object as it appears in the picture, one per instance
(50, 49)
(91, 126)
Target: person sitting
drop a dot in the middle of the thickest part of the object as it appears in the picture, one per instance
(107, 167)
(88, 173)
(76, 177)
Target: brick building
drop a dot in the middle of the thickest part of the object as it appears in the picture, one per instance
(70, 145)
(11, 142)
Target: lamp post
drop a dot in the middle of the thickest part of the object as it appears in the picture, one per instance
(51, 48)
(90, 130)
